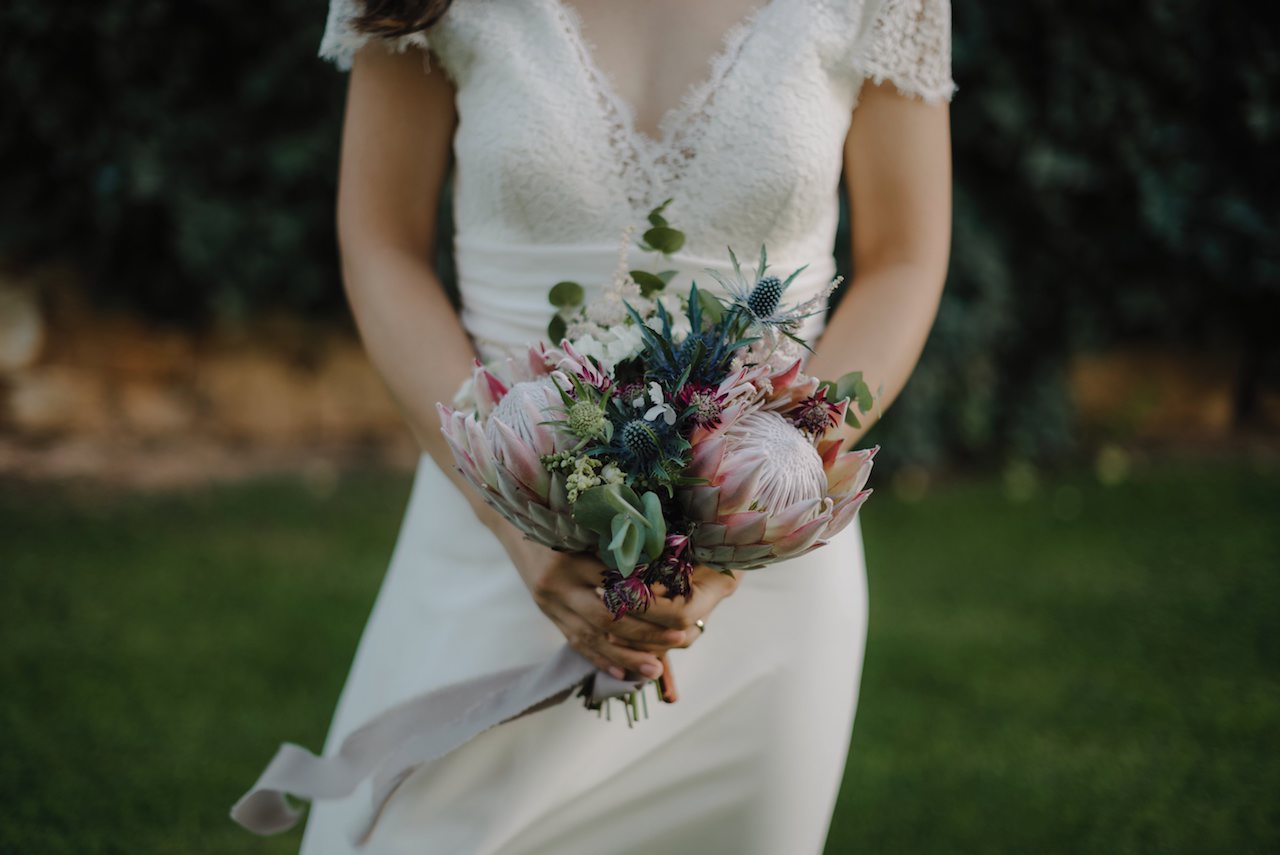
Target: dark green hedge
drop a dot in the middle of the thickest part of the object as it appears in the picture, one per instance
(1115, 168)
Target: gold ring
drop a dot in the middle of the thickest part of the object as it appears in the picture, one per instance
(700, 624)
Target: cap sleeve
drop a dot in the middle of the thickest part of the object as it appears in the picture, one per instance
(341, 40)
(907, 42)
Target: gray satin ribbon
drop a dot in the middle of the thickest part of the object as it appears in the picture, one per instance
(419, 730)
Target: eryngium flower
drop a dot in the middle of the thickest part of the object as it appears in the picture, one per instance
(771, 494)
(499, 448)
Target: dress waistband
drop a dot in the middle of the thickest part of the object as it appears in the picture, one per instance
(504, 286)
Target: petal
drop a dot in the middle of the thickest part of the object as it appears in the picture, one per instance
(708, 534)
(785, 378)
(481, 451)
(829, 451)
(801, 538)
(739, 483)
(750, 554)
(848, 473)
(745, 528)
(707, 456)
(844, 514)
(515, 493)
(790, 518)
(520, 460)
(489, 390)
(701, 503)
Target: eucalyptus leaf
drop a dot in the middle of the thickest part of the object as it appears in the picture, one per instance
(667, 275)
(566, 295)
(648, 282)
(556, 329)
(657, 212)
(712, 308)
(593, 511)
(656, 533)
(664, 239)
(626, 544)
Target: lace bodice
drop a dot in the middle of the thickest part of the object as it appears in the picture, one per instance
(546, 152)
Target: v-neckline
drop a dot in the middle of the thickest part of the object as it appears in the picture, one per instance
(679, 124)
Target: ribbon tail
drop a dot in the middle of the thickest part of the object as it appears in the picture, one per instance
(419, 730)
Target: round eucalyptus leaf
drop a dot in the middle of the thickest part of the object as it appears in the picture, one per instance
(556, 329)
(648, 282)
(566, 295)
(665, 240)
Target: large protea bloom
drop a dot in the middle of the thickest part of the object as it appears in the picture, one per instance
(499, 448)
(771, 493)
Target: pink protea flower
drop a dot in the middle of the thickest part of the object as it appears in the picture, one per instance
(499, 449)
(771, 493)
(787, 388)
(573, 362)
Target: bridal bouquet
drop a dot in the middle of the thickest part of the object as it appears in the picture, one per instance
(660, 431)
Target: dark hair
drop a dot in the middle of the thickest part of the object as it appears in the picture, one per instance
(392, 18)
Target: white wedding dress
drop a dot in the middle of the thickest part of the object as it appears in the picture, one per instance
(549, 170)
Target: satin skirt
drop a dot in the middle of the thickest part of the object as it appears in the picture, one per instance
(749, 760)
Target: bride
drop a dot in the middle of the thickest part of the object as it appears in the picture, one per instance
(566, 121)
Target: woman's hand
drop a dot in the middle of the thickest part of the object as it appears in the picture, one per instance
(565, 587)
(682, 614)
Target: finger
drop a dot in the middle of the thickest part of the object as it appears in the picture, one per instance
(680, 614)
(655, 649)
(629, 627)
(724, 583)
(633, 630)
(583, 636)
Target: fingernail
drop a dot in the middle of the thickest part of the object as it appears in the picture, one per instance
(651, 669)
(617, 672)
(676, 636)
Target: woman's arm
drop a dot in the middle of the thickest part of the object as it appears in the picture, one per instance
(396, 140)
(898, 174)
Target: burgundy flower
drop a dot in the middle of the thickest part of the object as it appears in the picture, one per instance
(630, 391)
(674, 569)
(626, 596)
(815, 415)
(706, 401)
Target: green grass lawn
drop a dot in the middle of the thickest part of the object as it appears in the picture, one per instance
(1090, 670)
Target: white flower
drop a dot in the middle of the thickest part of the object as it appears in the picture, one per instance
(579, 328)
(660, 406)
(589, 345)
(607, 311)
(623, 342)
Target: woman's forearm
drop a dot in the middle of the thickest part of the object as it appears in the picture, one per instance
(415, 341)
(879, 328)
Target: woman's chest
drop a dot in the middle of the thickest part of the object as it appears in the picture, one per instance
(565, 147)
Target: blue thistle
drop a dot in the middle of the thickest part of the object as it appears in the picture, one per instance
(640, 439)
(765, 297)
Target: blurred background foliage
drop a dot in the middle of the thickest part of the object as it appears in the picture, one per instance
(1115, 181)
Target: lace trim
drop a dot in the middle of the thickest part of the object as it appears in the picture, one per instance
(650, 168)
(341, 40)
(908, 43)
